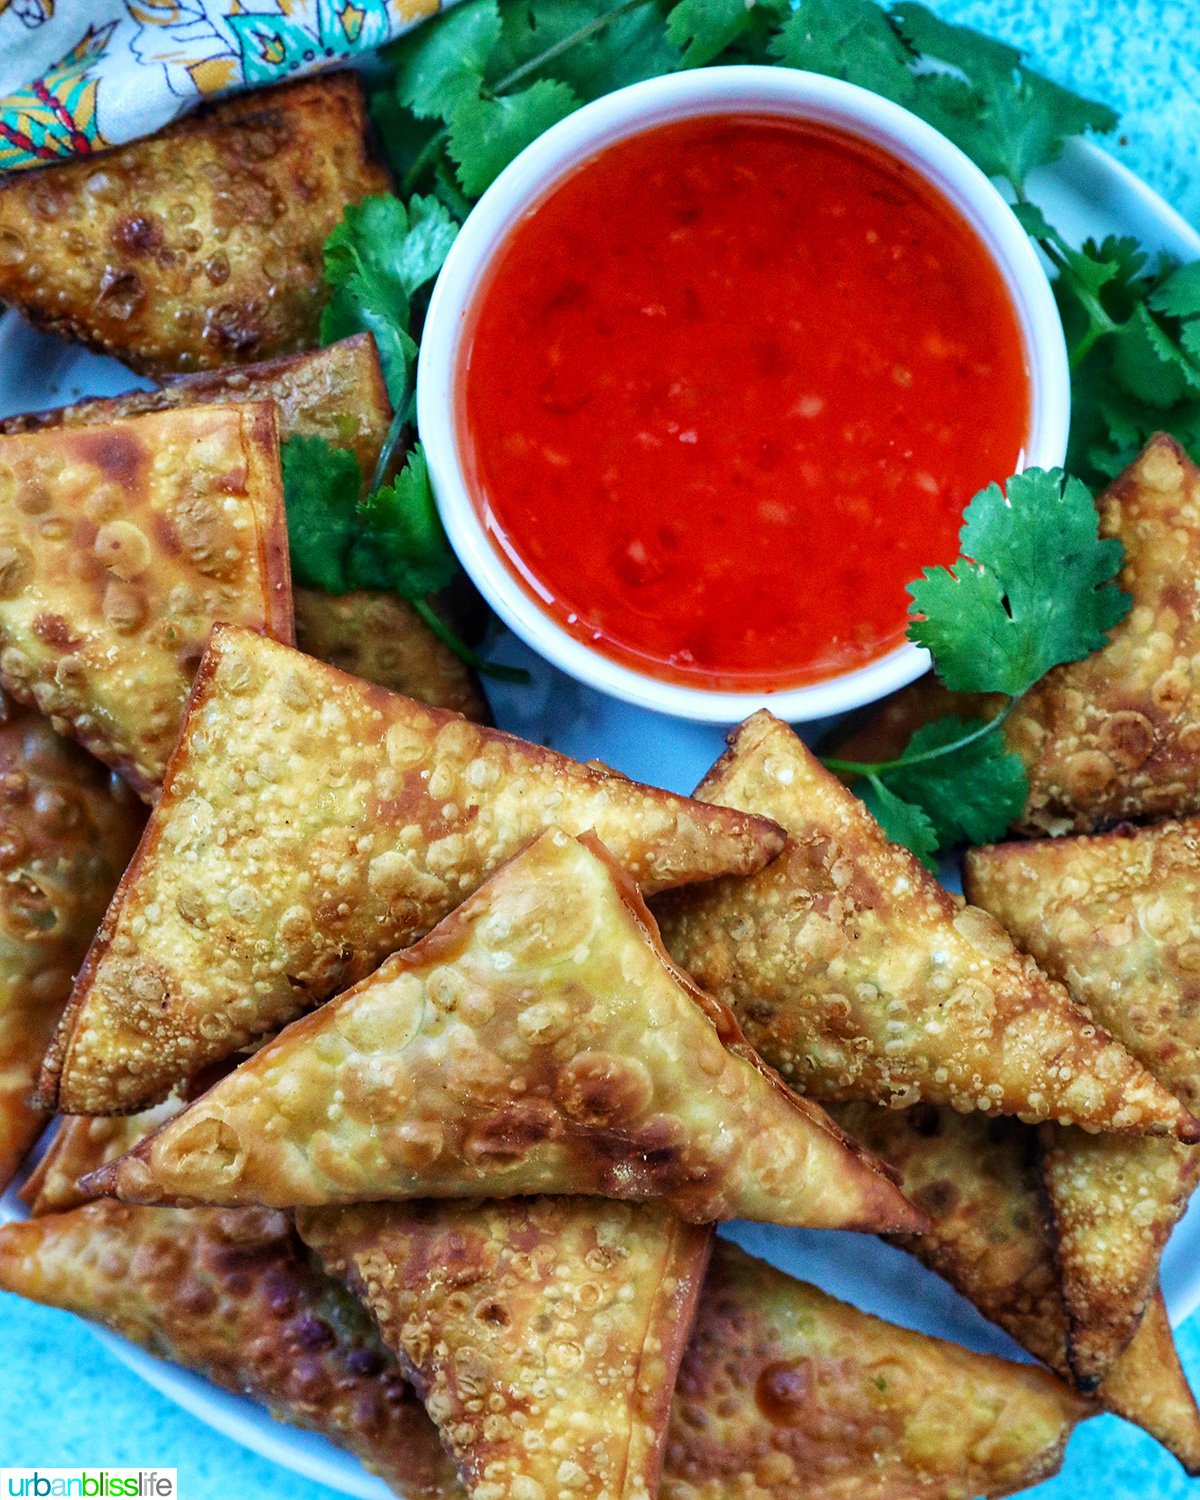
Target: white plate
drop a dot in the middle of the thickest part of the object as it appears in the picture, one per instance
(1086, 193)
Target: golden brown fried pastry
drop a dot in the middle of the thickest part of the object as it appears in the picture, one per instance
(978, 1181)
(198, 246)
(80, 1145)
(1113, 1202)
(312, 824)
(119, 547)
(382, 638)
(537, 1041)
(1116, 917)
(232, 1295)
(786, 1392)
(1116, 735)
(543, 1334)
(336, 393)
(857, 976)
(67, 830)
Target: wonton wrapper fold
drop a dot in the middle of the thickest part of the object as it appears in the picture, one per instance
(1116, 917)
(544, 1334)
(200, 245)
(231, 1294)
(857, 976)
(67, 830)
(978, 1180)
(310, 825)
(785, 1392)
(120, 545)
(537, 1041)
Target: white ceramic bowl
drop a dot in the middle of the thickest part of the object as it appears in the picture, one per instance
(523, 184)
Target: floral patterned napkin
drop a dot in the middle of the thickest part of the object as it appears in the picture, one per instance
(77, 76)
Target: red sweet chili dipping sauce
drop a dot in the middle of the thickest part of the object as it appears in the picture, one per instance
(728, 388)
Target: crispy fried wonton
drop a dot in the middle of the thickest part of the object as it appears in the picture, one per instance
(67, 830)
(231, 1294)
(81, 1144)
(1116, 735)
(537, 1041)
(978, 1181)
(857, 976)
(336, 393)
(119, 547)
(544, 1334)
(786, 1392)
(312, 824)
(382, 638)
(198, 246)
(1116, 917)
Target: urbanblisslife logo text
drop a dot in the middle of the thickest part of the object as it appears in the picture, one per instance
(90, 1484)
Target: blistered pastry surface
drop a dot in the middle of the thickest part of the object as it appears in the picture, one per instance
(785, 1391)
(311, 825)
(856, 975)
(544, 1334)
(200, 245)
(231, 1295)
(534, 1042)
(120, 546)
(67, 829)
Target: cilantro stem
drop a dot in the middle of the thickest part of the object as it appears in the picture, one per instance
(874, 769)
(426, 157)
(384, 462)
(463, 651)
(564, 44)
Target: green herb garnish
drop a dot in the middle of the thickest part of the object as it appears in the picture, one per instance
(1034, 588)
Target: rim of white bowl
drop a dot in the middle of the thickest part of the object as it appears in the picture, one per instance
(537, 170)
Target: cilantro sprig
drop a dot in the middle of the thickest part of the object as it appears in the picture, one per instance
(391, 539)
(1035, 587)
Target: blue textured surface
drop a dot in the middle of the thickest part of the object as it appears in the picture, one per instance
(64, 1400)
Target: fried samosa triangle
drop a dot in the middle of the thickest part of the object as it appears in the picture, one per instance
(1117, 734)
(67, 830)
(543, 1334)
(337, 393)
(200, 245)
(1114, 916)
(382, 638)
(120, 545)
(232, 1295)
(537, 1041)
(310, 825)
(786, 1392)
(857, 976)
(978, 1181)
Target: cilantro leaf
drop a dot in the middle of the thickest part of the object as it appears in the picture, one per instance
(375, 259)
(439, 65)
(903, 822)
(321, 486)
(973, 793)
(485, 134)
(401, 545)
(1178, 295)
(1149, 364)
(1033, 588)
(593, 46)
(702, 29)
(1007, 118)
(850, 39)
